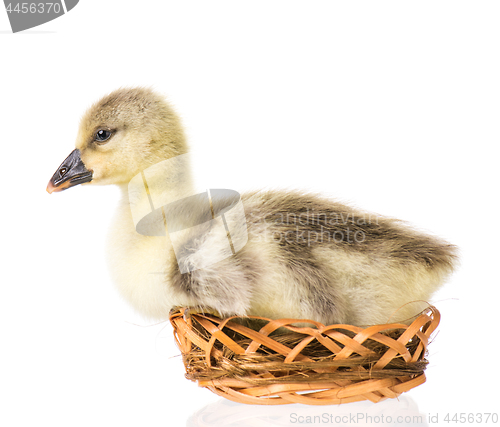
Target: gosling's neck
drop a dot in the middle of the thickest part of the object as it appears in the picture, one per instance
(154, 187)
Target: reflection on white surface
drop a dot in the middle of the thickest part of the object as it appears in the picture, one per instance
(391, 412)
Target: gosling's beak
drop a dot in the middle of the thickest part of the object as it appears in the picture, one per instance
(71, 172)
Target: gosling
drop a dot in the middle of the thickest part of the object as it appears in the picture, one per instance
(305, 257)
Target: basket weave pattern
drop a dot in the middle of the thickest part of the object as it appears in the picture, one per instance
(279, 362)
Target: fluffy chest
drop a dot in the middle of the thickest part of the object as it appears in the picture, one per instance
(140, 267)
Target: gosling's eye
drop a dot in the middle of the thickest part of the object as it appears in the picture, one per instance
(102, 135)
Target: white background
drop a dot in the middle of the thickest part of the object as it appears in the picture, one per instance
(390, 106)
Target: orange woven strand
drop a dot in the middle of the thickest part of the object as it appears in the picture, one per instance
(317, 365)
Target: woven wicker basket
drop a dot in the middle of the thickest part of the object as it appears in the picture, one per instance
(271, 362)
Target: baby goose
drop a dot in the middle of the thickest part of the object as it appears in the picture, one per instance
(306, 257)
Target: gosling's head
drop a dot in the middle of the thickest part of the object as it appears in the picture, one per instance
(119, 136)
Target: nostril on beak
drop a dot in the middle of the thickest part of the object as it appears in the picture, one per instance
(62, 172)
